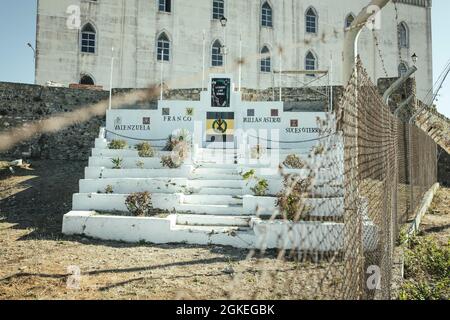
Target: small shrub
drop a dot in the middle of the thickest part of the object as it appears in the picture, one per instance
(427, 270)
(145, 150)
(140, 164)
(117, 163)
(177, 157)
(290, 199)
(293, 162)
(261, 187)
(168, 162)
(181, 152)
(117, 144)
(180, 136)
(319, 150)
(425, 291)
(425, 256)
(249, 175)
(109, 189)
(139, 204)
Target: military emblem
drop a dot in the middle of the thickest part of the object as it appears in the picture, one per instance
(220, 126)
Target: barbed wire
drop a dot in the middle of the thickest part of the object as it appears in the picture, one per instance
(380, 54)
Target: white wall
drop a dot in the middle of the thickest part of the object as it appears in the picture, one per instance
(131, 26)
(274, 131)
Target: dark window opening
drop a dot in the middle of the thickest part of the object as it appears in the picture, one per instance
(87, 80)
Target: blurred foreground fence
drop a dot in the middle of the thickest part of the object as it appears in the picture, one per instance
(357, 189)
(390, 163)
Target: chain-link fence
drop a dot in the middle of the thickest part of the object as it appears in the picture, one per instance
(390, 165)
(347, 204)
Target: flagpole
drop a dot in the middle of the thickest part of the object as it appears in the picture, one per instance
(111, 78)
(240, 61)
(281, 72)
(161, 80)
(203, 60)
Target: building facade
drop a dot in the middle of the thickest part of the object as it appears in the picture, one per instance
(176, 40)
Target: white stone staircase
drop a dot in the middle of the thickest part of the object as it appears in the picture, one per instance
(207, 198)
(216, 202)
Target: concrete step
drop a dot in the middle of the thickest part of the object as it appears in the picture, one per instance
(129, 162)
(218, 210)
(217, 183)
(219, 170)
(130, 185)
(124, 153)
(104, 173)
(217, 221)
(220, 191)
(117, 202)
(215, 165)
(212, 229)
(216, 151)
(214, 176)
(212, 199)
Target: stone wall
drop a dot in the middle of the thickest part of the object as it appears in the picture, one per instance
(21, 104)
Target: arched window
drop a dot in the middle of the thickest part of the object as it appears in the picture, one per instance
(216, 54)
(311, 20)
(163, 47)
(218, 9)
(266, 63)
(88, 39)
(266, 15)
(310, 63)
(87, 80)
(349, 20)
(402, 69)
(403, 35)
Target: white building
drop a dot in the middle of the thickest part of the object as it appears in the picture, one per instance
(189, 35)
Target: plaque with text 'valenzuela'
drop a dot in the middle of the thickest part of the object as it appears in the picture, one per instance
(220, 92)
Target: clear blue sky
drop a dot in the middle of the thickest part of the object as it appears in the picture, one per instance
(18, 26)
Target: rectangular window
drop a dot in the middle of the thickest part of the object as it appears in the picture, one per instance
(218, 9)
(165, 5)
(217, 57)
(266, 17)
(88, 42)
(311, 24)
(163, 50)
(265, 65)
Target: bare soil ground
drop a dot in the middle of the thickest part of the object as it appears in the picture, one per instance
(35, 256)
